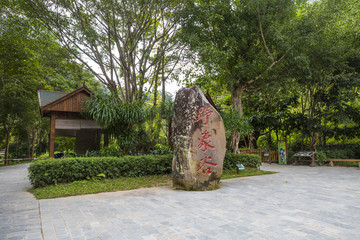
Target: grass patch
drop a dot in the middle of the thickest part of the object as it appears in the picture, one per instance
(97, 186)
(231, 173)
(13, 163)
(122, 184)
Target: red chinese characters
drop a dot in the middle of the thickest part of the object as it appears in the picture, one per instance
(205, 162)
(205, 141)
(201, 114)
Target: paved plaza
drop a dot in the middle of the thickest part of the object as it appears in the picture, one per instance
(296, 203)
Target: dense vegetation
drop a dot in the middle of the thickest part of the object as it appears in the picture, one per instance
(277, 68)
(49, 172)
(248, 160)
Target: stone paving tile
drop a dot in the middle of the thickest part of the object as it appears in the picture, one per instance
(19, 210)
(296, 203)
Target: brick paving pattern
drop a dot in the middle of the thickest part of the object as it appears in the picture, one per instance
(19, 210)
(297, 203)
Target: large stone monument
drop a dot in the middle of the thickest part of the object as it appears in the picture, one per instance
(199, 141)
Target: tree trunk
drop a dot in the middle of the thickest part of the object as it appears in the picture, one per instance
(33, 143)
(314, 141)
(106, 139)
(170, 142)
(269, 140)
(28, 144)
(7, 143)
(39, 150)
(7, 140)
(163, 80)
(237, 105)
(253, 139)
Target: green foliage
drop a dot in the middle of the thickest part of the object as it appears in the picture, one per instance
(167, 110)
(108, 110)
(112, 150)
(137, 51)
(65, 144)
(240, 45)
(98, 177)
(47, 172)
(320, 158)
(248, 160)
(124, 120)
(295, 62)
(232, 173)
(347, 151)
(96, 186)
(291, 154)
(30, 59)
(160, 149)
(235, 123)
(123, 183)
(228, 41)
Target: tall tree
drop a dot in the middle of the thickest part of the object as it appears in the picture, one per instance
(124, 43)
(30, 59)
(327, 73)
(318, 98)
(243, 44)
(18, 75)
(240, 42)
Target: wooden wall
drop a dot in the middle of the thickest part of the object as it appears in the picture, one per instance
(76, 124)
(87, 140)
(72, 104)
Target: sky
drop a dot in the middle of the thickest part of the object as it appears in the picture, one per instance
(173, 87)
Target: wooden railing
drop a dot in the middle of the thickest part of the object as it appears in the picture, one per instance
(332, 160)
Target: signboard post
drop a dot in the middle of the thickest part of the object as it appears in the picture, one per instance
(282, 151)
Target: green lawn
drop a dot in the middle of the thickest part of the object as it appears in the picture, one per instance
(244, 173)
(121, 184)
(13, 163)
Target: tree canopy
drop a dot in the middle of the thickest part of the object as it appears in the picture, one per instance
(127, 44)
(249, 48)
(279, 68)
(30, 59)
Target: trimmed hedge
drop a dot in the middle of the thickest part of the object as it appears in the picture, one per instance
(248, 160)
(52, 171)
(341, 151)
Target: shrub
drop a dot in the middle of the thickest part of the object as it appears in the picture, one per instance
(320, 158)
(160, 149)
(53, 171)
(112, 150)
(341, 151)
(248, 160)
(291, 157)
(47, 172)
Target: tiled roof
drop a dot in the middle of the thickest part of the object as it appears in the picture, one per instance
(46, 97)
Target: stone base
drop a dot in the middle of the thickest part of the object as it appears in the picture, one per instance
(188, 185)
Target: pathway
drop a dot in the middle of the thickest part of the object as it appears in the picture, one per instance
(19, 210)
(297, 203)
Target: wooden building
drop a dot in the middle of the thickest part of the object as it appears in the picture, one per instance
(66, 119)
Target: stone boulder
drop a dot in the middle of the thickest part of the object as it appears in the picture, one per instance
(199, 141)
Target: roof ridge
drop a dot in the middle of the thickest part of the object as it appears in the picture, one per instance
(61, 98)
(52, 91)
